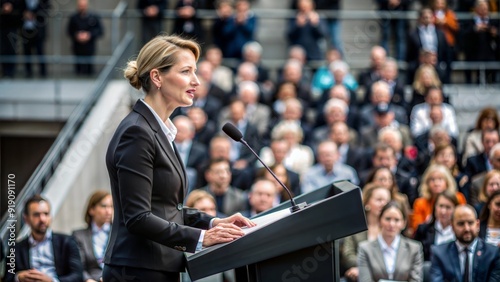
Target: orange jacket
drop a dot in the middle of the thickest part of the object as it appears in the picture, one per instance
(449, 27)
(422, 209)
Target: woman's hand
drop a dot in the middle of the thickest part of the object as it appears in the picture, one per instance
(352, 273)
(226, 229)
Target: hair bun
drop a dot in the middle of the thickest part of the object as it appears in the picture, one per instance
(131, 74)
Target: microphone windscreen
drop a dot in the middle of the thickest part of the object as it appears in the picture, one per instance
(232, 132)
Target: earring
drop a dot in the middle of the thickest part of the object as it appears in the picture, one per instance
(367, 208)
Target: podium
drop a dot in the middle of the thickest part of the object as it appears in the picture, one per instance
(287, 246)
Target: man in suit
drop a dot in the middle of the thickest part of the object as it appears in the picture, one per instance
(262, 197)
(191, 152)
(480, 163)
(151, 17)
(229, 199)
(44, 255)
(348, 153)
(366, 78)
(468, 258)
(427, 37)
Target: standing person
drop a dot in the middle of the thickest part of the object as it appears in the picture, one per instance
(44, 255)
(468, 258)
(34, 32)
(152, 16)
(148, 180)
(84, 28)
(92, 240)
(11, 14)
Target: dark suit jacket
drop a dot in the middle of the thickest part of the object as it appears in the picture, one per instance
(151, 228)
(446, 263)
(66, 259)
(415, 44)
(426, 234)
(197, 155)
(475, 165)
(235, 200)
(91, 268)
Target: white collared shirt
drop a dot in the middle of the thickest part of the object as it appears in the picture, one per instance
(100, 241)
(166, 126)
(443, 235)
(461, 256)
(428, 37)
(41, 255)
(389, 253)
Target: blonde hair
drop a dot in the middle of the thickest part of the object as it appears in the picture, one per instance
(417, 83)
(198, 195)
(451, 184)
(159, 53)
(287, 126)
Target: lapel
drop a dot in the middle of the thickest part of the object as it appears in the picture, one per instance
(24, 250)
(454, 260)
(88, 242)
(162, 139)
(56, 246)
(476, 257)
(377, 252)
(402, 251)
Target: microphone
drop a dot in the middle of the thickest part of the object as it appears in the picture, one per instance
(236, 135)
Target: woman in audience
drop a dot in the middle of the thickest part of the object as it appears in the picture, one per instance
(446, 154)
(487, 120)
(203, 201)
(374, 199)
(436, 180)
(490, 220)
(491, 184)
(383, 177)
(93, 240)
(402, 257)
(280, 172)
(425, 77)
(439, 229)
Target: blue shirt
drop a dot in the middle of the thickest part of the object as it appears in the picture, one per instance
(42, 255)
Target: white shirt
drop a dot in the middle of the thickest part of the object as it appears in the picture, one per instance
(100, 241)
(461, 256)
(443, 235)
(389, 253)
(41, 255)
(428, 37)
(420, 121)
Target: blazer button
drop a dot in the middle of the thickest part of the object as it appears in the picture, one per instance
(179, 207)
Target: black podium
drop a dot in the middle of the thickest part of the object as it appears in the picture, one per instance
(287, 246)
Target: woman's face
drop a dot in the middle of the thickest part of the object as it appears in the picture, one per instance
(488, 123)
(444, 209)
(493, 184)
(280, 172)
(436, 182)
(495, 208)
(102, 212)
(206, 205)
(178, 84)
(426, 78)
(383, 177)
(380, 197)
(446, 157)
(392, 222)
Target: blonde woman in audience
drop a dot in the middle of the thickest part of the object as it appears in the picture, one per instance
(435, 180)
(439, 229)
(92, 241)
(491, 184)
(374, 199)
(391, 256)
(425, 77)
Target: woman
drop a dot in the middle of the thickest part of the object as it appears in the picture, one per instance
(148, 180)
(280, 172)
(487, 120)
(439, 229)
(391, 256)
(446, 20)
(425, 77)
(436, 180)
(202, 201)
(374, 199)
(491, 184)
(446, 154)
(92, 240)
(490, 220)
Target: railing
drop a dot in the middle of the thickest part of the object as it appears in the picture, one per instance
(49, 164)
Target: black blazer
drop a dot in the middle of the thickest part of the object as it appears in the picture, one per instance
(66, 259)
(415, 44)
(151, 229)
(426, 234)
(91, 268)
(476, 164)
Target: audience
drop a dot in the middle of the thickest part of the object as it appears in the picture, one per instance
(44, 255)
(487, 119)
(34, 32)
(491, 184)
(397, 27)
(282, 174)
(262, 196)
(402, 258)
(186, 21)
(92, 241)
(203, 201)
(468, 258)
(151, 18)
